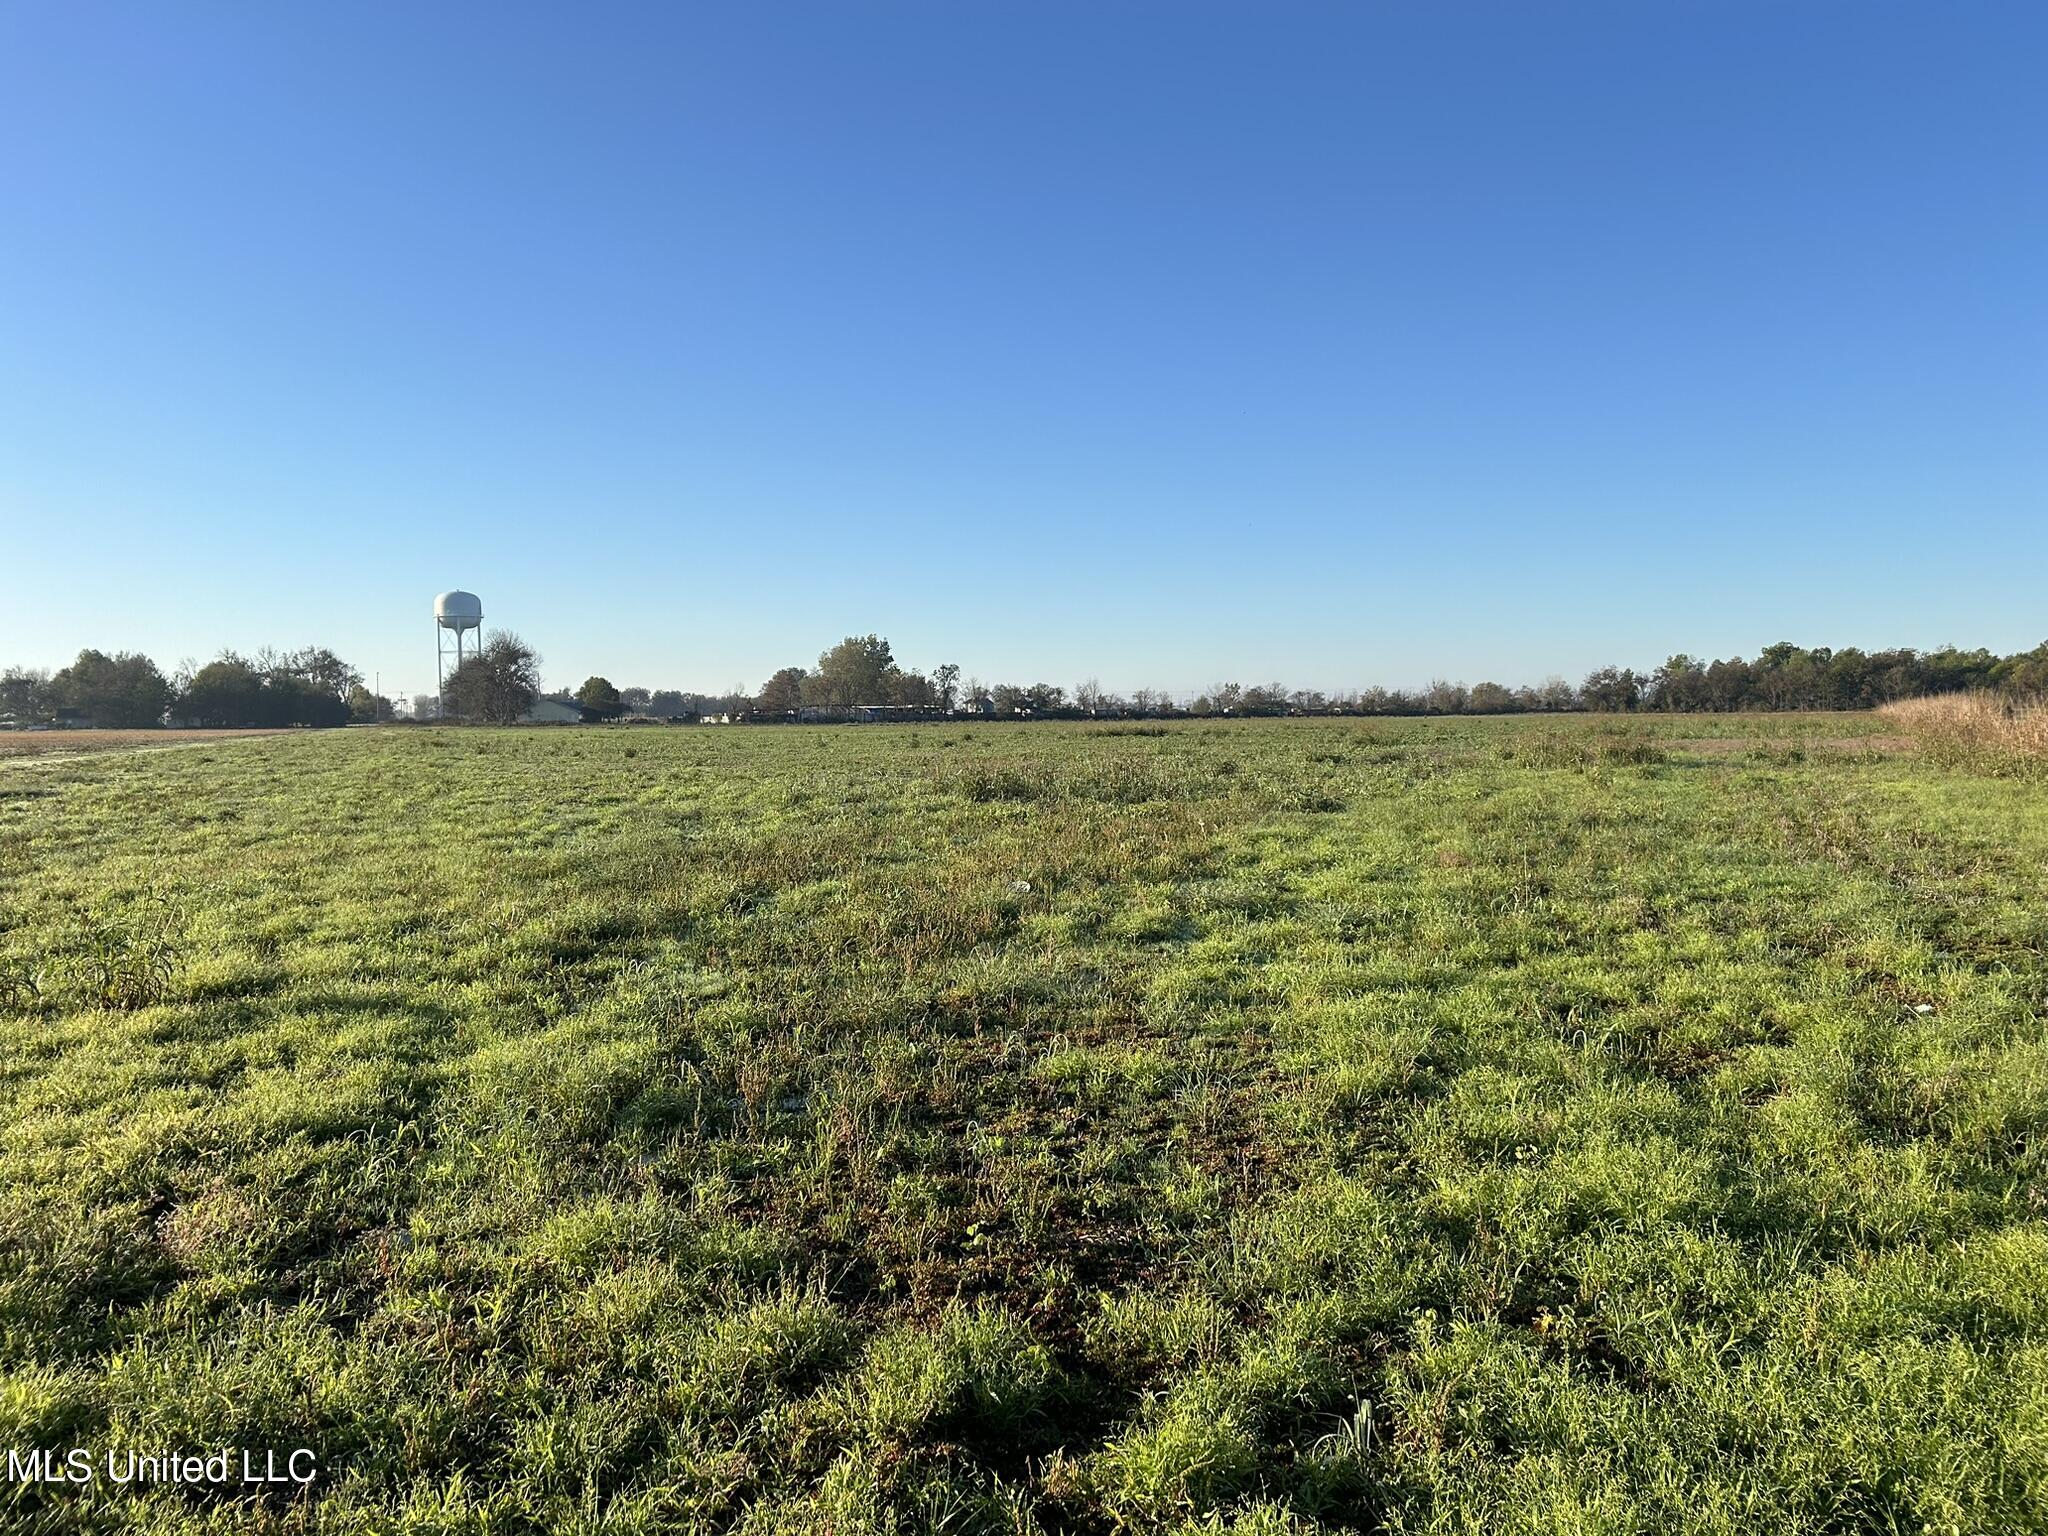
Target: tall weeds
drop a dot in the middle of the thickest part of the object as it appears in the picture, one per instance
(1986, 730)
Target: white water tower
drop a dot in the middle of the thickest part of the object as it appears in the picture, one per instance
(455, 614)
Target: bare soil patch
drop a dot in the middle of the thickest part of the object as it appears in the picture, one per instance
(15, 744)
(1722, 746)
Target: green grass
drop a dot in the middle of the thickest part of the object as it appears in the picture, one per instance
(1491, 1126)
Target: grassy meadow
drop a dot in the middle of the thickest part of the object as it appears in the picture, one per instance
(1260, 1127)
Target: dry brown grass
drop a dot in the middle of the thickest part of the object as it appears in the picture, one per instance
(1986, 728)
(77, 743)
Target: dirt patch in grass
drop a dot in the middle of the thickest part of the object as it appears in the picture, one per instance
(1725, 746)
(25, 744)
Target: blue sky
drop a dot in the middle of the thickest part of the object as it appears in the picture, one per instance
(1154, 340)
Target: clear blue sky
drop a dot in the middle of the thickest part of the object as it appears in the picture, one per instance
(1157, 340)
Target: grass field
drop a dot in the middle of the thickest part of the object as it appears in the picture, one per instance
(1490, 1126)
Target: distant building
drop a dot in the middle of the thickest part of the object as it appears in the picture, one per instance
(980, 704)
(553, 712)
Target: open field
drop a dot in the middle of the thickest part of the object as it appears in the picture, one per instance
(1503, 1126)
(40, 744)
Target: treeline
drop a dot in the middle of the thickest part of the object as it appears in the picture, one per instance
(128, 691)
(861, 670)
(1787, 676)
(315, 687)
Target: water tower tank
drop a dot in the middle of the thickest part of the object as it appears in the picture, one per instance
(459, 611)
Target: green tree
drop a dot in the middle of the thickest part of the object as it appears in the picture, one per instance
(1046, 697)
(234, 691)
(600, 698)
(498, 684)
(1681, 683)
(290, 700)
(858, 670)
(1611, 689)
(1264, 699)
(317, 667)
(124, 691)
(224, 692)
(362, 705)
(2025, 673)
(946, 683)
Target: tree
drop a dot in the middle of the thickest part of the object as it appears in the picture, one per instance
(25, 695)
(1681, 683)
(858, 670)
(910, 688)
(498, 684)
(783, 693)
(1224, 698)
(1264, 699)
(289, 700)
(233, 691)
(946, 683)
(1610, 689)
(125, 691)
(362, 705)
(1489, 699)
(637, 698)
(318, 667)
(225, 692)
(598, 697)
(1730, 684)
(2025, 674)
(669, 701)
(1445, 698)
